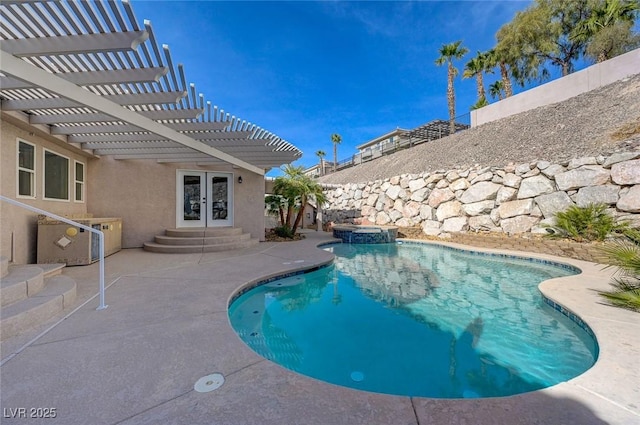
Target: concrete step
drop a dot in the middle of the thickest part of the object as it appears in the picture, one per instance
(59, 293)
(184, 249)
(4, 266)
(20, 283)
(200, 232)
(207, 240)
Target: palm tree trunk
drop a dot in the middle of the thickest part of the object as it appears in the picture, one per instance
(480, 83)
(296, 223)
(506, 81)
(602, 56)
(335, 156)
(451, 99)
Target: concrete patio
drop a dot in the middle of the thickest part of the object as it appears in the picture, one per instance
(166, 326)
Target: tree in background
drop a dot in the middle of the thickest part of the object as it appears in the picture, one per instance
(496, 89)
(608, 31)
(497, 57)
(294, 189)
(321, 154)
(544, 33)
(476, 68)
(449, 52)
(336, 139)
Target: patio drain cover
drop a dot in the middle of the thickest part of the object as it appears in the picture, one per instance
(209, 383)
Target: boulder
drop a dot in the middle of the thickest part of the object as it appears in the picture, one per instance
(626, 173)
(455, 224)
(448, 209)
(460, 184)
(478, 208)
(535, 186)
(552, 203)
(417, 184)
(420, 195)
(438, 196)
(511, 180)
(431, 227)
(587, 175)
(552, 170)
(405, 222)
(480, 192)
(505, 194)
(393, 192)
(372, 199)
(481, 222)
(607, 194)
(630, 201)
(519, 224)
(579, 162)
(411, 209)
(382, 218)
(426, 212)
(483, 177)
(514, 208)
(620, 157)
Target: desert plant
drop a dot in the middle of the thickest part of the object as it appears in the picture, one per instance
(284, 231)
(624, 253)
(586, 224)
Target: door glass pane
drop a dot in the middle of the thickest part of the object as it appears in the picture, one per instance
(192, 197)
(220, 195)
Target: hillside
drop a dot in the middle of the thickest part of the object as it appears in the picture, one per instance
(601, 121)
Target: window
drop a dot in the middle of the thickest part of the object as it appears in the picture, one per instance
(56, 176)
(26, 169)
(79, 178)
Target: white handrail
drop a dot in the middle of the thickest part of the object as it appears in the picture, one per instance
(102, 305)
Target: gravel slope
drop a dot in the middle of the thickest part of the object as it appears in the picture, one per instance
(581, 126)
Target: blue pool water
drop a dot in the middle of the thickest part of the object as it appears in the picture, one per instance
(417, 320)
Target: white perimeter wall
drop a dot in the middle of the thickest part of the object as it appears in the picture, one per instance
(582, 81)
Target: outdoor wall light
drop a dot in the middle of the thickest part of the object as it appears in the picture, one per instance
(240, 179)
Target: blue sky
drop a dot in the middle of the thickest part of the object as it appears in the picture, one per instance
(304, 70)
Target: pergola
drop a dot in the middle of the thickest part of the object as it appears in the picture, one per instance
(87, 74)
(432, 130)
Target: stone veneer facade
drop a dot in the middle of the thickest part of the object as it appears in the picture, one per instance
(514, 199)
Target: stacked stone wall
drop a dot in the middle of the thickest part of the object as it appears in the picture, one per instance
(515, 199)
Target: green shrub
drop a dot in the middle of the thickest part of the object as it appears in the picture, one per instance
(284, 231)
(624, 254)
(586, 224)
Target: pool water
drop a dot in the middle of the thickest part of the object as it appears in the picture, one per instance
(417, 320)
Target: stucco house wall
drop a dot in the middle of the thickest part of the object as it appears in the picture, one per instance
(18, 227)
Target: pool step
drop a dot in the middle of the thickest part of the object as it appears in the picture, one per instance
(198, 240)
(31, 295)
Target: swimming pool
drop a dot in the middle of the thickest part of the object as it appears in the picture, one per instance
(418, 320)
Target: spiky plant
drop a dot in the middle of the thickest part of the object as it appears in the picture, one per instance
(624, 254)
(586, 224)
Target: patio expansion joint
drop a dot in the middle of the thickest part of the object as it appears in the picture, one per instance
(415, 414)
(153, 407)
(608, 400)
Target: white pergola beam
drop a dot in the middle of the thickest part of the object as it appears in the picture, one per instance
(120, 99)
(82, 129)
(86, 78)
(69, 44)
(14, 66)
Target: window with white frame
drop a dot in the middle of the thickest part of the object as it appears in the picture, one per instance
(79, 181)
(26, 169)
(56, 176)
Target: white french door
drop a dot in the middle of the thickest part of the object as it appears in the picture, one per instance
(204, 199)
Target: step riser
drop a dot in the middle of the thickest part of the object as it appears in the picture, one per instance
(199, 233)
(166, 240)
(4, 266)
(17, 324)
(20, 283)
(190, 249)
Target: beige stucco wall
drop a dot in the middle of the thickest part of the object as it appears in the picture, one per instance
(18, 227)
(143, 194)
(582, 81)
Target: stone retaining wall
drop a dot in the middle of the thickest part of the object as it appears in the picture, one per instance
(516, 199)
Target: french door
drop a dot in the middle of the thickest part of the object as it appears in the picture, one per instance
(204, 199)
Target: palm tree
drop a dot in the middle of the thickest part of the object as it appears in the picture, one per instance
(321, 154)
(497, 58)
(475, 68)
(336, 139)
(449, 52)
(624, 254)
(608, 30)
(496, 89)
(295, 189)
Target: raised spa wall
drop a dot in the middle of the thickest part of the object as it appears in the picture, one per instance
(365, 234)
(515, 199)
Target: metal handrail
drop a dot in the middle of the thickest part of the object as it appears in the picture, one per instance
(102, 305)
